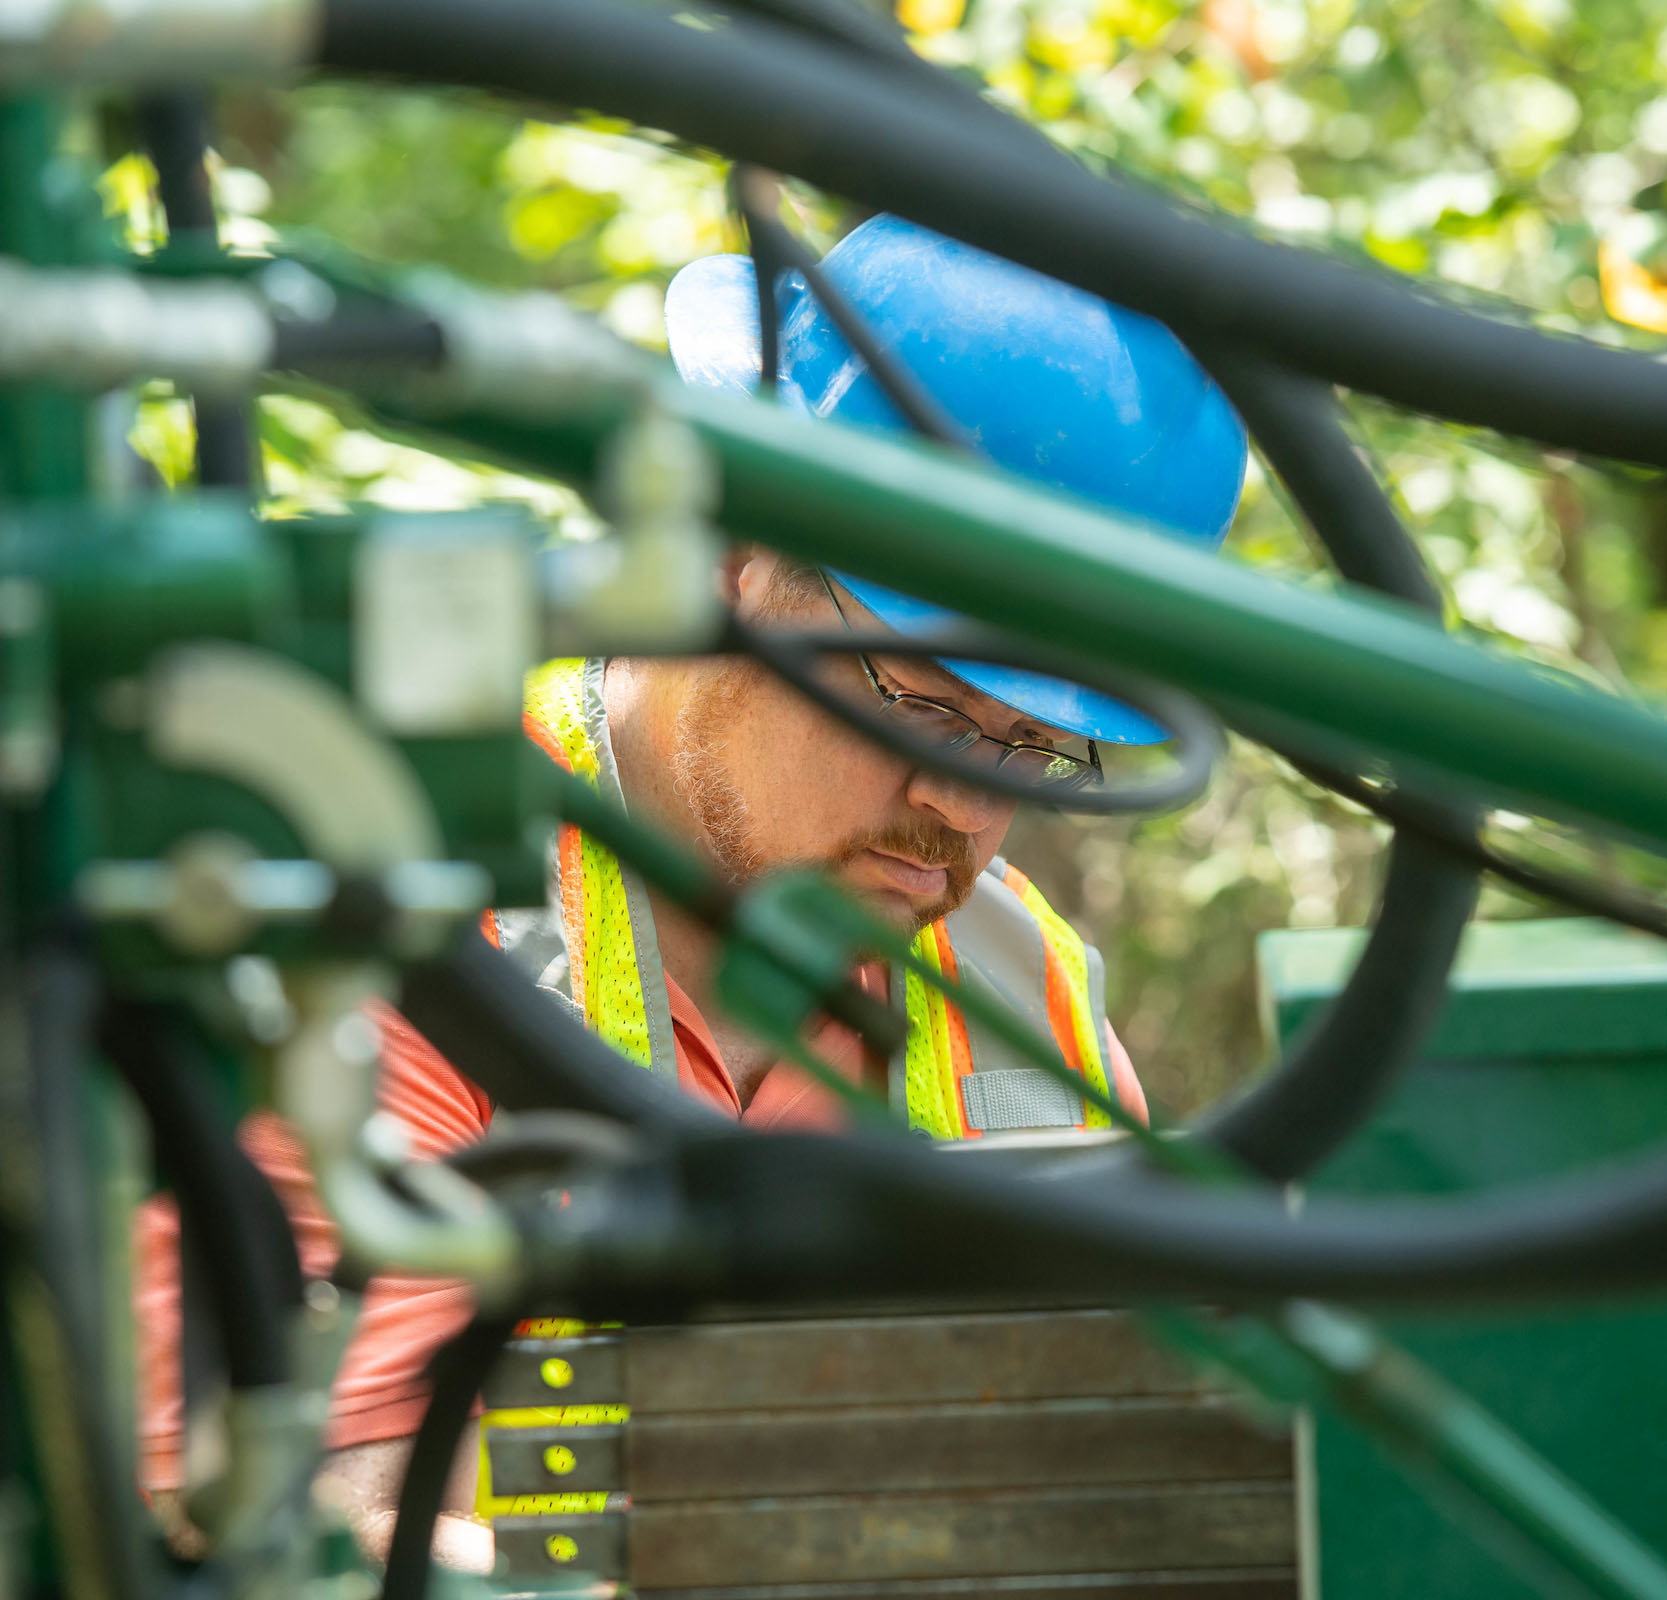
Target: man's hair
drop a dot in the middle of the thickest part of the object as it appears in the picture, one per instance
(794, 586)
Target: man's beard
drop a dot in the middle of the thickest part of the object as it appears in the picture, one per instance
(720, 811)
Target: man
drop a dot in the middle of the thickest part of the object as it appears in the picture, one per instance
(1045, 380)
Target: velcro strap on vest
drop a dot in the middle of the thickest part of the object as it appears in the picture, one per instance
(1018, 1097)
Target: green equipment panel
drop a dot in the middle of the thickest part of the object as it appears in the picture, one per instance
(1551, 1053)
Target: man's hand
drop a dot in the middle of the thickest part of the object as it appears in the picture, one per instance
(362, 1482)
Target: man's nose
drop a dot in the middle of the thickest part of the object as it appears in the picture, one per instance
(956, 805)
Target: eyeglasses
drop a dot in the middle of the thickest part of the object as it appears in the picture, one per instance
(934, 723)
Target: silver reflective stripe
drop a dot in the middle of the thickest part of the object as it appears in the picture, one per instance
(1022, 1097)
(536, 942)
(1097, 998)
(998, 949)
(662, 1048)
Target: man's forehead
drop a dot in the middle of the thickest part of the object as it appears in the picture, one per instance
(928, 673)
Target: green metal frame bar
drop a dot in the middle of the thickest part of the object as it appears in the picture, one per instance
(1350, 670)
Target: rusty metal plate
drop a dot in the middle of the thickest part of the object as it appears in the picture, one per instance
(556, 1460)
(896, 1360)
(1241, 1583)
(1002, 1444)
(563, 1546)
(817, 1539)
(587, 1371)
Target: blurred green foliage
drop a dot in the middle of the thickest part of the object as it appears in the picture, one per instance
(1507, 147)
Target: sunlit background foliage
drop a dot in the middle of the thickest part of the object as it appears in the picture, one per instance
(1514, 148)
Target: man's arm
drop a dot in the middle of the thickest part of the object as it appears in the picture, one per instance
(380, 1391)
(1125, 1085)
(362, 1483)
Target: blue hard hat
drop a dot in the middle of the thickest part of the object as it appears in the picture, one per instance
(1048, 381)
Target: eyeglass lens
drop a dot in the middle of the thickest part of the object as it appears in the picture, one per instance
(949, 729)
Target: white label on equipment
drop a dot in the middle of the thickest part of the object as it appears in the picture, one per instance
(444, 626)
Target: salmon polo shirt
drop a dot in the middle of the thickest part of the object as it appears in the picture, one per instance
(380, 1391)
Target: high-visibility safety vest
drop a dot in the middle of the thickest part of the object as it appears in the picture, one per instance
(594, 946)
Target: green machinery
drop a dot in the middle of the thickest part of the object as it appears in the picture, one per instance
(257, 773)
(1549, 1055)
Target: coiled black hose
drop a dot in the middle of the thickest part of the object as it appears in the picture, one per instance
(873, 131)
(1345, 1061)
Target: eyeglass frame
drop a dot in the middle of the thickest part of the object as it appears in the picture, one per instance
(1083, 772)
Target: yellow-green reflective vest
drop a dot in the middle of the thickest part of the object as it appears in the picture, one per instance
(594, 946)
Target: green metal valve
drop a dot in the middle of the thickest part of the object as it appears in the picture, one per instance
(342, 695)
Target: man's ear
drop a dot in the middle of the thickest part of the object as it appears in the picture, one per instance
(746, 574)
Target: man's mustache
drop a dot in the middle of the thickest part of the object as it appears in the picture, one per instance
(930, 844)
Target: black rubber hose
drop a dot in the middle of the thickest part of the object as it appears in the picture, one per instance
(800, 1220)
(866, 32)
(459, 1369)
(1341, 1069)
(1405, 808)
(174, 128)
(88, 1469)
(1341, 1066)
(1194, 731)
(1344, 1062)
(1297, 423)
(521, 1046)
(1280, 1127)
(253, 1275)
(775, 248)
(765, 269)
(877, 134)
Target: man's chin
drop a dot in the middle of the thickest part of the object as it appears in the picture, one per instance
(907, 913)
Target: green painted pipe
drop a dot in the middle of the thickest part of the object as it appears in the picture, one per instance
(125, 581)
(1344, 665)
(44, 431)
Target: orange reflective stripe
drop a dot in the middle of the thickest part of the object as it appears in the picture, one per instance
(544, 736)
(569, 848)
(1061, 1010)
(570, 845)
(955, 1027)
(489, 927)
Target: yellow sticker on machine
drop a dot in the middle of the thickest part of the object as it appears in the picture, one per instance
(532, 1505)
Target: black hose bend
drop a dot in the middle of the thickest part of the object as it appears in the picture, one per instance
(877, 132)
(174, 129)
(252, 1274)
(1341, 1066)
(524, 1048)
(799, 1220)
(86, 1466)
(458, 1370)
